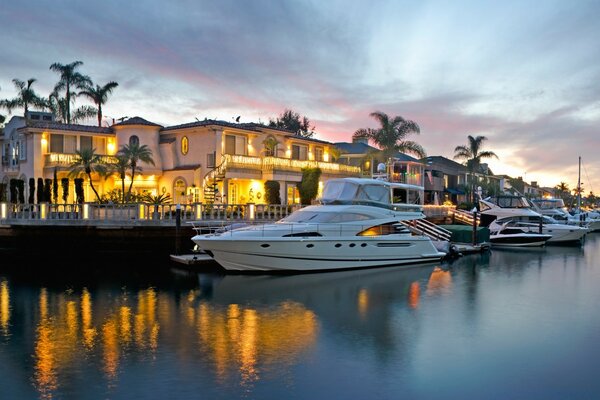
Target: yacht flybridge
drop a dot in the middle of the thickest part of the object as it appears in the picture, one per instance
(359, 223)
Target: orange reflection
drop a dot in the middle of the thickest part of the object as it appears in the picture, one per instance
(414, 292)
(440, 281)
(110, 340)
(88, 331)
(45, 348)
(363, 302)
(4, 306)
(243, 338)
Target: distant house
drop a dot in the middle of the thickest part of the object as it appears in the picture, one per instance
(359, 153)
(445, 180)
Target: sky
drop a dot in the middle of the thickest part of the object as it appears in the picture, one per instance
(524, 74)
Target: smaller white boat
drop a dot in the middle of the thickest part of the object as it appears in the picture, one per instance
(514, 237)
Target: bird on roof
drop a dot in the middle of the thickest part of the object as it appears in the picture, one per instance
(238, 118)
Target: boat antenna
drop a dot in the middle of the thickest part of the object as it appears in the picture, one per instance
(579, 186)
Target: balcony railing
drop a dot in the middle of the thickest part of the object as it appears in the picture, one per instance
(65, 160)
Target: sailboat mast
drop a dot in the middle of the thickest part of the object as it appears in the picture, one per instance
(579, 186)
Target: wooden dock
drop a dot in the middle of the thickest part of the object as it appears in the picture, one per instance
(192, 259)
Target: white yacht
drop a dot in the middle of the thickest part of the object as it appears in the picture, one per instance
(556, 209)
(514, 214)
(359, 223)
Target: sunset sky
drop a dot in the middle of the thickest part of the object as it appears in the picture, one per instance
(526, 74)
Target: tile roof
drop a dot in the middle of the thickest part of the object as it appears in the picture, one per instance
(137, 121)
(66, 127)
(361, 148)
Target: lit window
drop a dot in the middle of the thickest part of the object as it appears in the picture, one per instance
(184, 145)
(299, 152)
(134, 140)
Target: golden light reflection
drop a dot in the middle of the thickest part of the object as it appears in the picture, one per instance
(45, 375)
(363, 302)
(414, 293)
(440, 281)
(89, 332)
(110, 341)
(243, 338)
(4, 307)
(125, 324)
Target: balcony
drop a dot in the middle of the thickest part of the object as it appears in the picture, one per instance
(66, 160)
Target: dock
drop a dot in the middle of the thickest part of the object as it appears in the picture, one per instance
(192, 259)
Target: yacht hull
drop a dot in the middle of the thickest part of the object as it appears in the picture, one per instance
(316, 254)
(518, 240)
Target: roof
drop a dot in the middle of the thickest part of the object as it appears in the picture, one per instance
(440, 161)
(136, 121)
(66, 127)
(361, 148)
(249, 126)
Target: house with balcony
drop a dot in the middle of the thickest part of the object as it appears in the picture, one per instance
(403, 168)
(202, 161)
(445, 181)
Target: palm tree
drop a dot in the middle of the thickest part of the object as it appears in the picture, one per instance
(87, 161)
(136, 154)
(26, 96)
(562, 188)
(121, 165)
(58, 106)
(473, 155)
(391, 136)
(70, 78)
(99, 95)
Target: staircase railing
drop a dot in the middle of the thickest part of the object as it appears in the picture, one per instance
(464, 217)
(428, 228)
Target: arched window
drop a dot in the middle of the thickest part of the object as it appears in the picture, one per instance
(133, 140)
(184, 145)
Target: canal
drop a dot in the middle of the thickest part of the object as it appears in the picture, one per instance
(506, 324)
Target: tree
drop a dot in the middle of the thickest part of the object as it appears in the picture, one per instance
(308, 187)
(270, 144)
(69, 79)
(55, 187)
(391, 136)
(473, 154)
(40, 191)
(58, 106)
(136, 154)
(272, 195)
(88, 162)
(561, 190)
(26, 97)
(99, 95)
(31, 190)
(120, 165)
(64, 182)
(292, 121)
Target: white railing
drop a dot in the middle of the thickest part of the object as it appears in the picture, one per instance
(117, 213)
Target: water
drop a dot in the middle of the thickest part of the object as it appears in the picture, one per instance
(508, 324)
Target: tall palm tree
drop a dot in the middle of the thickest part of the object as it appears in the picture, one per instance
(26, 97)
(70, 78)
(136, 154)
(473, 154)
(121, 165)
(88, 162)
(99, 95)
(562, 188)
(391, 136)
(58, 106)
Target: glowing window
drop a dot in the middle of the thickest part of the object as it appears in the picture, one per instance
(184, 145)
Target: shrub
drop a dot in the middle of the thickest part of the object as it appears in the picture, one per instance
(272, 192)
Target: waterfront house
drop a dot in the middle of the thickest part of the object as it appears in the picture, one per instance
(202, 161)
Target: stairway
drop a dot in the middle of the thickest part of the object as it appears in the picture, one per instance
(212, 180)
(428, 228)
(464, 217)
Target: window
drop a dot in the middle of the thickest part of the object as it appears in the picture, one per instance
(134, 140)
(210, 160)
(184, 145)
(70, 144)
(179, 189)
(22, 150)
(299, 152)
(318, 153)
(56, 143)
(85, 143)
(47, 117)
(235, 145)
(33, 116)
(99, 144)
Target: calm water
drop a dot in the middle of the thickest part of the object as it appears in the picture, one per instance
(519, 324)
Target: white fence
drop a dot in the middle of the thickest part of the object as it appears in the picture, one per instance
(145, 212)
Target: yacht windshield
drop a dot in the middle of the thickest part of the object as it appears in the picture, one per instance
(302, 216)
(344, 191)
(549, 204)
(512, 202)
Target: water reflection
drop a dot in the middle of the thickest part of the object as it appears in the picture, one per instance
(237, 326)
